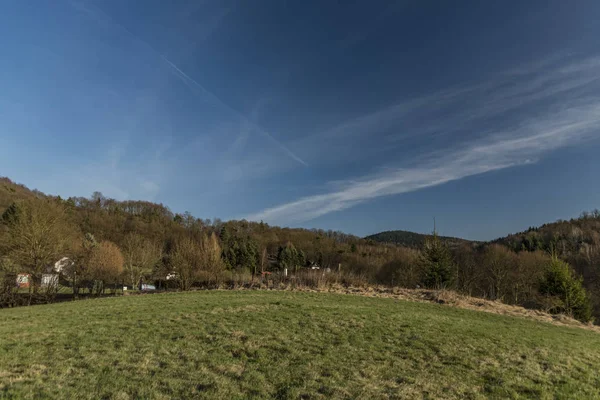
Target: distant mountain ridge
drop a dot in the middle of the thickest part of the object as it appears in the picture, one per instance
(577, 236)
(412, 239)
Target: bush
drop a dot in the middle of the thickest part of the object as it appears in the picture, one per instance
(560, 282)
(404, 270)
(8, 279)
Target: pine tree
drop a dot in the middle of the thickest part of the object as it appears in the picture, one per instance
(301, 260)
(288, 256)
(437, 264)
(11, 214)
(559, 281)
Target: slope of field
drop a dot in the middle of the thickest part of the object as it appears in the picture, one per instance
(257, 344)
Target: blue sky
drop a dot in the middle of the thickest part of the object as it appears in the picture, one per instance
(361, 117)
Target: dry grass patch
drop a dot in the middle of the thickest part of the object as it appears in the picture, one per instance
(451, 298)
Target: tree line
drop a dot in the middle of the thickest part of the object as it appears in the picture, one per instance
(108, 243)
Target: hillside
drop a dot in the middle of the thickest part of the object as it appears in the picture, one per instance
(11, 192)
(567, 236)
(271, 344)
(149, 242)
(411, 239)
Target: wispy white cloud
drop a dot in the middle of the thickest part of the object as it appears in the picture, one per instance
(461, 110)
(551, 110)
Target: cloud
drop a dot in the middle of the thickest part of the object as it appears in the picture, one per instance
(513, 123)
(465, 111)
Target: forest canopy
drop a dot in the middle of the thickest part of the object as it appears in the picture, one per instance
(130, 242)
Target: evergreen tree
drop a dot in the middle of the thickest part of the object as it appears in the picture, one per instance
(559, 281)
(252, 256)
(11, 214)
(436, 261)
(239, 252)
(300, 260)
(288, 257)
(224, 235)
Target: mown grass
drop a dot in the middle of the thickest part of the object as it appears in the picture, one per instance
(260, 344)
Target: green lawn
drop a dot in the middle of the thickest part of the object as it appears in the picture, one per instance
(259, 344)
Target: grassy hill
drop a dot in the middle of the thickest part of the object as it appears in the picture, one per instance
(411, 239)
(260, 344)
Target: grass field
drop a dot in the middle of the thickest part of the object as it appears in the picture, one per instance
(260, 344)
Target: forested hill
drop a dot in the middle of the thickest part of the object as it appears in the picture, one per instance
(147, 241)
(11, 192)
(411, 239)
(577, 236)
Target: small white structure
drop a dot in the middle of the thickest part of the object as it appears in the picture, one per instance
(61, 264)
(50, 280)
(171, 276)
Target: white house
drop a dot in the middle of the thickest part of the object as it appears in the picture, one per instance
(61, 264)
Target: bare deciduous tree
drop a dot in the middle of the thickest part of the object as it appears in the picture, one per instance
(186, 261)
(499, 263)
(190, 258)
(141, 255)
(263, 260)
(105, 263)
(39, 234)
(211, 252)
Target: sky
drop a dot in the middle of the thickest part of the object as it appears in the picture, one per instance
(360, 116)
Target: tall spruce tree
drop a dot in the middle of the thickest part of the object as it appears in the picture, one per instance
(436, 261)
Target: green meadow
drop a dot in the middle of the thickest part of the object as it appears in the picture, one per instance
(287, 345)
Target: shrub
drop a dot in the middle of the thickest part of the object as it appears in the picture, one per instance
(560, 282)
(8, 277)
(403, 271)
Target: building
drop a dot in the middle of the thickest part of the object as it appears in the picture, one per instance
(49, 280)
(23, 281)
(62, 264)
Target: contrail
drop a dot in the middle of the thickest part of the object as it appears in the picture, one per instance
(83, 6)
(188, 79)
